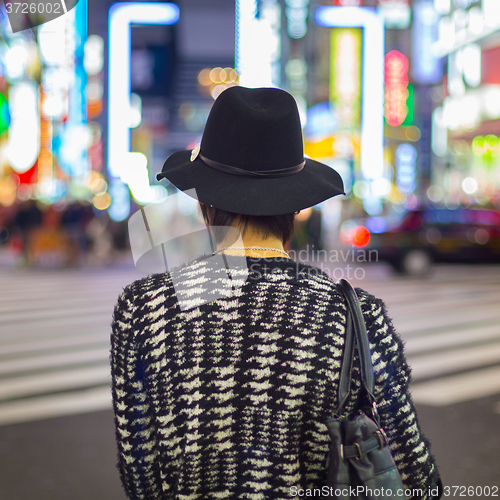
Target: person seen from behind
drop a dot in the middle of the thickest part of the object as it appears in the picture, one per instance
(228, 398)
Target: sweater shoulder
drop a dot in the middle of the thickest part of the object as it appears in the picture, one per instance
(203, 271)
(197, 276)
(371, 305)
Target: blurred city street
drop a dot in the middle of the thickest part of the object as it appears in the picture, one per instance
(401, 98)
(56, 425)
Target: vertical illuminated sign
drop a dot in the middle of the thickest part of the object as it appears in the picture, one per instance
(347, 3)
(63, 119)
(296, 17)
(345, 76)
(24, 132)
(372, 87)
(406, 164)
(397, 13)
(45, 158)
(425, 66)
(396, 88)
(258, 43)
(74, 134)
(120, 161)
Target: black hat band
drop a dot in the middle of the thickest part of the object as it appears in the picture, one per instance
(228, 169)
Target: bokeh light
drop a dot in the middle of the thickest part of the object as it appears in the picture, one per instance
(360, 236)
(102, 201)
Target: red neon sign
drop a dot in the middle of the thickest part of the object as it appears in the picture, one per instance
(347, 3)
(396, 87)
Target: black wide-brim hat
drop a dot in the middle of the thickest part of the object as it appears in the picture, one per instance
(251, 157)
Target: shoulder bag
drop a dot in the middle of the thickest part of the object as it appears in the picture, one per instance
(360, 464)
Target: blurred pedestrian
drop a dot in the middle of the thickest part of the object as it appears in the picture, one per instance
(224, 392)
(314, 229)
(8, 216)
(85, 216)
(75, 219)
(70, 222)
(119, 233)
(101, 248)
(29, 217)
(49, 246)
(300, 238)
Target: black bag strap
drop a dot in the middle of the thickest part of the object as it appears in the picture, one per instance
(355, 335)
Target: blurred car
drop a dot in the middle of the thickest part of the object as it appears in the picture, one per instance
(432, 234)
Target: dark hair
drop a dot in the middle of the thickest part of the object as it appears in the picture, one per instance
(280, 226)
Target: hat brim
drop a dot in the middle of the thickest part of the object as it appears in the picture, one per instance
(315, 183)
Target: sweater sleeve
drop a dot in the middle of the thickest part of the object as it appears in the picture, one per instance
(398, 416)
(133, 423)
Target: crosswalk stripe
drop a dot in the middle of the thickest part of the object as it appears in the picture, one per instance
(432, 365)
(66, 295)
(41, 327)
(433, 321)
(425, 343)
(407, 294)
(55, 343)
(53, 360)
(30, 317)
(37, 285)
(58, 405)
(54, 381)
(448, 276)
(432, 303)
(55, 333)
(451, 390)
(65, 292)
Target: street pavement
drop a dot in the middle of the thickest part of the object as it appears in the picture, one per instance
(56, 425)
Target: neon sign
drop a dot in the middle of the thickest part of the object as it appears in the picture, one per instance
(121, 17)
(345, 76)
(347, 3)
(372, 92)
(396, 88)
(258, 43)
(426, 67)
(296, 17)
(406, 165)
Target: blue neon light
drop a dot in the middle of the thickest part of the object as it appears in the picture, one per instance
(425, 67)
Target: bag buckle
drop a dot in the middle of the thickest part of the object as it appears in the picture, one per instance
(360, 452)
(382, 437)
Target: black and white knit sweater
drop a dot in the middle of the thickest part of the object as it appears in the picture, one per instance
(229, 399)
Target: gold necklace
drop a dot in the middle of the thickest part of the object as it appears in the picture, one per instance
(251, 248)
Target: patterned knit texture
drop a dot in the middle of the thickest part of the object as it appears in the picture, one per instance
(229, 399)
